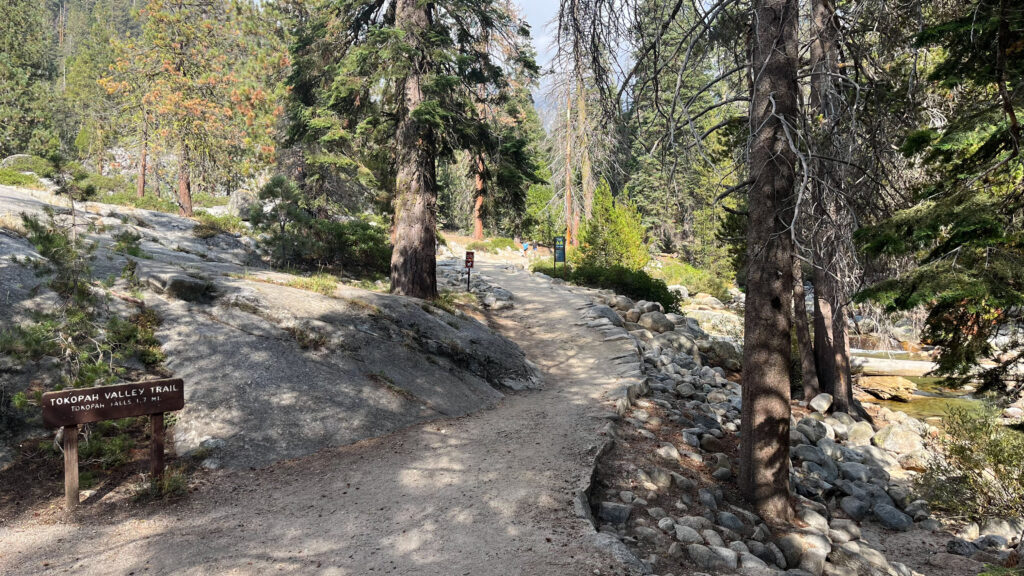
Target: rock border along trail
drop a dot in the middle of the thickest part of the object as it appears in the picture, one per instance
(487, 493)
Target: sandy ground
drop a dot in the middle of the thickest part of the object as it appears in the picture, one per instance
(488, 493)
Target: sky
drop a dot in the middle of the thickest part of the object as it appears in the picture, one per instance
(539, 13)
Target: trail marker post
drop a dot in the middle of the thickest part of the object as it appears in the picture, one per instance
(469, 266)
(560, 253)
(69, 408)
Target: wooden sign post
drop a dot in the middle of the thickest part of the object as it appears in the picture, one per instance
(69, 408)
(469, 266)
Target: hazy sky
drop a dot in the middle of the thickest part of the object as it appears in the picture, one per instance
(539, 13)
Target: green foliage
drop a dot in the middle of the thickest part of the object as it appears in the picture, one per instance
(695, 279)
(636, 284)
(964, 228)
(211, 225)
(35, 164)
(541, 221)
(982, 472)
(27, 67)
(325, 284)
(10, 177)
(127, 242)
(297, 238)
(350, 65)
(91, 352)
(67, 256)
(493, 245)
(614, 235)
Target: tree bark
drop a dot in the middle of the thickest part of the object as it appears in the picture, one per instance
(824, 343)
(808, 369)
(764, 448)
(184, 184)
(570, 232)
(478, 202)
(842, 397)
(413, 259)
(140, 185)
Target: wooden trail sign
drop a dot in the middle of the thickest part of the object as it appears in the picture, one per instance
(470, 255)
(69, 408)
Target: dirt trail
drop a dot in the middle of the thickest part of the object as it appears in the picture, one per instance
(489, 493)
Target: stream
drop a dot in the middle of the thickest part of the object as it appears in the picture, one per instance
(931, 401)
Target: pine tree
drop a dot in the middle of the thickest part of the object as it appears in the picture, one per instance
(965, 229)
(180, 75)
(27, 69)
(395, 87)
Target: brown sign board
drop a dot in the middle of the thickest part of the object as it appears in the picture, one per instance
(81, 405)
(469, 258)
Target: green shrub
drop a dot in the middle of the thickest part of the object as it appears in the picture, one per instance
(636, 284)
(127, 242)
(34, 164)
(982, 471)
(127, 197)
(297, 238)
(10, 177)
(211, 225)
(614, 235)
(325, 284)
(493, 245)
(695, 279)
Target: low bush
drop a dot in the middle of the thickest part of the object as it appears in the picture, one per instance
(10, 177)
(981, 471)
(127, 242)
(297, 238)
(695, 279)
(34, 164)
(211, 225)
(127, 197)
(635, 284)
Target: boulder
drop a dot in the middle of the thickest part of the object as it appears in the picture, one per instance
(711, 558)
(656, 322)
(888, 387)
(822, 402)
(614, 513)
(678, 342)
(898, 438)
(601, 311)
(717, 322)
(702, 299)
(892, 518)
(854, 507)
(241, 203)
(917, 460)
(621, 303)
(1009, 529)
(859, 434)
(722, 352)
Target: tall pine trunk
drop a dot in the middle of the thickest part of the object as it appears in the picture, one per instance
(830, 338)
(184, 184)
(413, 260)
(764, 447)
(140, 184)
(480, 190)
(570, 230)
(808, 369)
